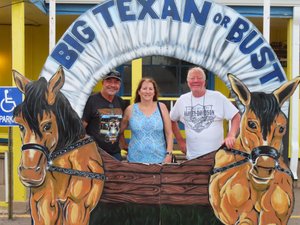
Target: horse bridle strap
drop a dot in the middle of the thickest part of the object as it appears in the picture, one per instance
(51, 156)
(69, 148)
(37, 147)
(73, 172)
(255, 153)
(91, 175)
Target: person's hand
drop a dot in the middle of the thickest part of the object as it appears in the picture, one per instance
(168, 159)
(229, 141)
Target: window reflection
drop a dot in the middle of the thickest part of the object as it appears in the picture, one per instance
(169, 73)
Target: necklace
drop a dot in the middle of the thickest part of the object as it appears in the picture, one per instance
(192, 116)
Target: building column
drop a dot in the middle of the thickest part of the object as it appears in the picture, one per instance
(18, 63)
(294, 103)
(52, 25)
(136, 76)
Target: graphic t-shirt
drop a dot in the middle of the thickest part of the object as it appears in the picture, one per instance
(104, 120)
(203, 119)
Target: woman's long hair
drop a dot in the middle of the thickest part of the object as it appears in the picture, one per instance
(148, 79)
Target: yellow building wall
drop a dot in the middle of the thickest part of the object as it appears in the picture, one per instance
(5, 60)
(5, 55)
(36, 50)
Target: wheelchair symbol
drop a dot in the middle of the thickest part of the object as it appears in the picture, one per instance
(7, 104)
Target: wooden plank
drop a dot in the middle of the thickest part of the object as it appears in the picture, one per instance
(136, 167)
(202, 164)
(168, 189)
(126, 198)
(138, 189)
(207, 159)
(167, 178)
(112, 164)
(183, 168)
(132, 177)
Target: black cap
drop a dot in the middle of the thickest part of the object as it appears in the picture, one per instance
(113, 74)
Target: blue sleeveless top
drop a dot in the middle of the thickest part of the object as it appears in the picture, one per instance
(147, 144)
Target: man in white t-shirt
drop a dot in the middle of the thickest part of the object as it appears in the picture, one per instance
(202, 112)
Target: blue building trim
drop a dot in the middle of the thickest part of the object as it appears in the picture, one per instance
(257, 11)
(41, 5)
(247, 11)
(63, 9)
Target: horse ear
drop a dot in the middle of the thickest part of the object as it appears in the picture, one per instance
(286, 90)
(240, 89)
(20, 81)
(55, 84)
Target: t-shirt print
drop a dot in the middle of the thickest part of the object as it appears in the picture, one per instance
(109, 123)
(199, 117)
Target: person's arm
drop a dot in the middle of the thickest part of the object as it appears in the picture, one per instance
(124, 125)
(180, 140)
(168, 132)
(234, 128)
(86, 113)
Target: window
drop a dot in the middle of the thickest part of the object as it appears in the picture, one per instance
(169, 73)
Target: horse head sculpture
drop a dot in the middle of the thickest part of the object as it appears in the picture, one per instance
(60, 164)
(40, 126)
(250, 184)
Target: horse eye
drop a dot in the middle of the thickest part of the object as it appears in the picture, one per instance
(252, 125)
(47, 127)
(281, 129)
(21, 127)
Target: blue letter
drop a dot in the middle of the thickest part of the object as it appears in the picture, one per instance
(103, 9)
(170, 9)
(236, 32)
(276, 73)
(71, 41)
(123, 11)
(247, 50)
(217, 18)
(64, 56)
(89, 33)
(147, 9)
(225, 21)
(264, 52)
(191, 8)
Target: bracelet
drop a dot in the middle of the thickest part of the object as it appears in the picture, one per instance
(169, 153)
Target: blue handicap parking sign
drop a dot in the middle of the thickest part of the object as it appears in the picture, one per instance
(10, 97)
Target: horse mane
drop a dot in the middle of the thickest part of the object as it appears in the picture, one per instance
(266, 108)
(70, 128)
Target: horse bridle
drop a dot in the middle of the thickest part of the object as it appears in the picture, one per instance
(255, 153)
(50, 156)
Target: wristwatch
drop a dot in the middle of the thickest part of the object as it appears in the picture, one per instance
(168, 153)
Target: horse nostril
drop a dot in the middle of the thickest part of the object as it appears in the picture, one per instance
(37, 169)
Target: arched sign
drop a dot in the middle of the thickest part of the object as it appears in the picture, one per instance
(201, 32)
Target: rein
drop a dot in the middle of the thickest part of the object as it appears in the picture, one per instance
(51, 156)
(255, 153)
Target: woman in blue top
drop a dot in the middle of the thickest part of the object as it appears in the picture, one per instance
(147, 144)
